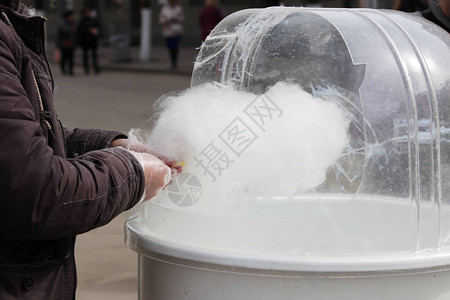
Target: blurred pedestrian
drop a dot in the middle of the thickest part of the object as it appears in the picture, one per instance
(66, 41)
(209, 17)
(171, 17)
(55, 183)
(87, 34)
(436, 11)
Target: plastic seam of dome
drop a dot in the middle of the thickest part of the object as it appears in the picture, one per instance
(435, 124)
(412, 115)
(434, 132)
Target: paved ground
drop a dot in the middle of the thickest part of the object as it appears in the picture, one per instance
(107, 269)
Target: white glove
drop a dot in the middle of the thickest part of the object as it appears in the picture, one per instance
(157, 174)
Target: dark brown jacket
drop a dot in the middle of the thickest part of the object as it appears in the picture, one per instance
(54, 183)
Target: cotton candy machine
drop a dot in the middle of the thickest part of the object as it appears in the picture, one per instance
(377, 223)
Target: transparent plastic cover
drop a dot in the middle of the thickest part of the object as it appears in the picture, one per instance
(339, 117)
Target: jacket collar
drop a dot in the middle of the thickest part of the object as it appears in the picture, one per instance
(30, 29)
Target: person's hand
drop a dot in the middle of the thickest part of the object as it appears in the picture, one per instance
(135, 145)
(157, 174)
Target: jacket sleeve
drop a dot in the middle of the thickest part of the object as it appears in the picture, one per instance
(80, 141)
(43, 196)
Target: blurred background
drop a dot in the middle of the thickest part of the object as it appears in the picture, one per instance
(123, 18)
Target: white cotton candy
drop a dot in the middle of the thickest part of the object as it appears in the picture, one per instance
(281, 149)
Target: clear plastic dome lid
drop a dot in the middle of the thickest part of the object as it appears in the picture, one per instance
(389, 188)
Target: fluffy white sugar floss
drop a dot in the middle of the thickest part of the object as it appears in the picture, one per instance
(241, 144)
